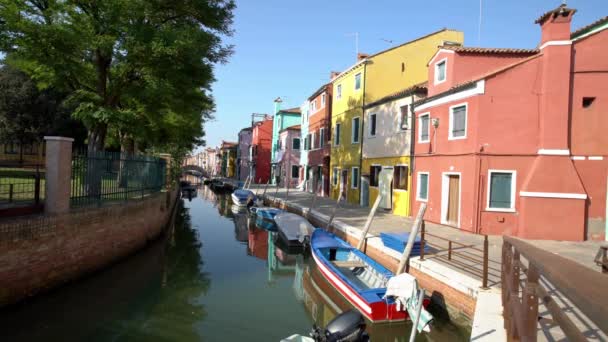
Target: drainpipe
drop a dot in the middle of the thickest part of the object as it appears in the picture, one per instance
(412, 161)
(362, 127)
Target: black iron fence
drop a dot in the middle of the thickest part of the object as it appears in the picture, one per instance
(21, 188)
(99, 177)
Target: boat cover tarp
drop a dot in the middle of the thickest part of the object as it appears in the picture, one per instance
(397, 242)
(404, 289)
(293, 227)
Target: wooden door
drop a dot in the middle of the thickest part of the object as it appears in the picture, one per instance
(453, 199)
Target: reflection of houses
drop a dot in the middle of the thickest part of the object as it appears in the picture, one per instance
(22, 153)
(513, 141)
(288, 156)
(370, 79)
(242, 154)
(387, 146)
(317, 141)
(261, 141)
(258, 243)
(283, 118)
(241, 225)
(228, 159)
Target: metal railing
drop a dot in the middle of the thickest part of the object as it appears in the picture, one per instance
(528, 271)
(99, 177)
(477, 260)
(21, 189)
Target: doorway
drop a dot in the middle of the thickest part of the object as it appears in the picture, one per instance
(450, 199)
(344, 184)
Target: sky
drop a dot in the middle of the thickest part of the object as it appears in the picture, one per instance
(287, 48)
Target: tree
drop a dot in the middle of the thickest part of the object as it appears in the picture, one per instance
(27, 114)
(136, 66)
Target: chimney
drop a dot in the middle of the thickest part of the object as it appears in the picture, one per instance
(277, 104)
(333, 74)
(556, 49)
(362, 56)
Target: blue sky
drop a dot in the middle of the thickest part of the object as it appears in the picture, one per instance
(287, 48)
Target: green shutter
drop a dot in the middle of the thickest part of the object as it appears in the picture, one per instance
(424, 186)
(500, 190)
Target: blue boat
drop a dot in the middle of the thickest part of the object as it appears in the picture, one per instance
(360, 279)
(265, 224)
(242, 197)
(266, 213)
(397, 242)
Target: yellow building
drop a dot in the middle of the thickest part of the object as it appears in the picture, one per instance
(376, 80)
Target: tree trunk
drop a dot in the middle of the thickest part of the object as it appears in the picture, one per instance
(95, 162)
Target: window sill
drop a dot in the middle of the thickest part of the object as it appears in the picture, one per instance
(400, 190)
(457, 138)
(422, 200)
(500, 210)
(424, 142)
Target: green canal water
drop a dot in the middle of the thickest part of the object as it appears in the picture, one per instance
(214, 276)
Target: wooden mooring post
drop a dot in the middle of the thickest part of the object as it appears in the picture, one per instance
(368, 223)
(333, 213)
(410, 242)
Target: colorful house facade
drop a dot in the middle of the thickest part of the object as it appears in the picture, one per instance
(304, 111)
(283, 118)
(319, 146)
(387, 146)
(228, 159)
(261, 144)
(512, 141)
(242, 154)
(373, 78)
(288, 157)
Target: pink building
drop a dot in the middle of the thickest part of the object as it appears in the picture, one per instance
(288, 156)
(513, 141)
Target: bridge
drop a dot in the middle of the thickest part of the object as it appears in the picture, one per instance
(195, 170)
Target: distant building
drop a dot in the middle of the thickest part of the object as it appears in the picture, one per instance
(513, 141)
(283, 118)
(228, 159)
(304, 167)
(261, 142)
(17, 153)
(242, 154)
(288, 157)
(318, 142)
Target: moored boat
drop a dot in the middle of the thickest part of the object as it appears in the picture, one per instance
(242, 197)
(266, 213)
(360, 279)
(293, 229)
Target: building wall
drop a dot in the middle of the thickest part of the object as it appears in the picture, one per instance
(304, 122)
(63, 248)
(243, 154)
(262, 139)
(281, 121)
(347, 155)
(320, 156)
(405, 65)
(288, 157)
(400, 198)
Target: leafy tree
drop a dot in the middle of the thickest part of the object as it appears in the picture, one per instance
(27, 114)
(142, 68)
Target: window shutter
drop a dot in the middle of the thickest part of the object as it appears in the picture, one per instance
(500, 190)
(424, 128)
(459, 117)
(424, 183)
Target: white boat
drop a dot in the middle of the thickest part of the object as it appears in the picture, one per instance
(293, 229)
(242, 197)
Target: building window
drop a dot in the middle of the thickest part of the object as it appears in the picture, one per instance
(423, 187)
(339, 92)
(322, 137)
(312, 141)
(374, 174)
(334, 176)
(588, 101)
(309, 141)
(355, 131)
(501, 190)
(313, 106)
(337, 134)
(295, 171)
(358, 81)
(306, 143)
(295, 143)
(400, 177)
(354, 178)
(403, 114)
(440, 71)
(424, 128)
(458, 122)
(323, 100)
(372, 125)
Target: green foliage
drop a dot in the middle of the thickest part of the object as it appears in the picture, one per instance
(141, 69)
(27, 114)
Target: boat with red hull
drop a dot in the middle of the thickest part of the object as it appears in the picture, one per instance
(360, 279)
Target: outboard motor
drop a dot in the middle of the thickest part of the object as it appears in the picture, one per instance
(349, 326)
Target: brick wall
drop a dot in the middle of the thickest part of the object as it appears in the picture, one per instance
(39, 253)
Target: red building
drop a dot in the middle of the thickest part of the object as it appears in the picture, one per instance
(319, 129)
(261, 141)
(513, 141)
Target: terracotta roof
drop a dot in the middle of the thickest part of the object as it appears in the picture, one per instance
(291, 110)
(562, 8)
(318, 91)
(482, 50)
(415, 89)
(228, 144)
(589, 27)
(292, 128)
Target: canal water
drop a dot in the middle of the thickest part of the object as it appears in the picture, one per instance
(214, 276)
